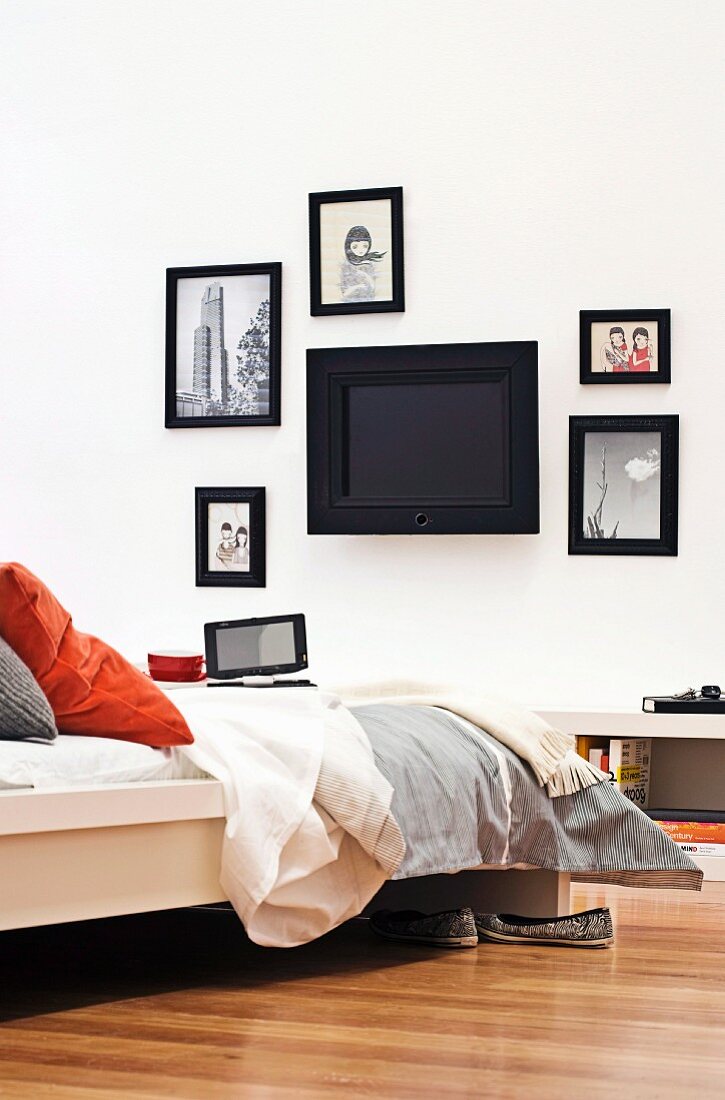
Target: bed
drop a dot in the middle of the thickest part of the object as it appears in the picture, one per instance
(300, 812)
(132, 848)
(152, 835)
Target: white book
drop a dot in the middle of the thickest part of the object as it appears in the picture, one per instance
(629, 767)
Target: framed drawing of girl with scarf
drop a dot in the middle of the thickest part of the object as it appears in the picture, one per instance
(356, 251)
(625, 345)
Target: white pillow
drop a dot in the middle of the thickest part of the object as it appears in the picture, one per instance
(72, 761)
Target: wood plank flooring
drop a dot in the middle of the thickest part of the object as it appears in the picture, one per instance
(182, 1005)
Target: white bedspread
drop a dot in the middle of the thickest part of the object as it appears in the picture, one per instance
(310, 838)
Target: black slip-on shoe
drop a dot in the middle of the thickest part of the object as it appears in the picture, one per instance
(452, 928)
(592, 928)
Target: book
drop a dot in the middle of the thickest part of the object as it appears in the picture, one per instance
(699, 816)
(595, 758)
(666, 704)
(629, 767)
(585, 743)
(697, 838)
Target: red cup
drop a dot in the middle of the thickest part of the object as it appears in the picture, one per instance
(176, 666)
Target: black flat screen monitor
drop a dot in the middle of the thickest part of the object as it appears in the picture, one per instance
(255, 647)
(423, 439)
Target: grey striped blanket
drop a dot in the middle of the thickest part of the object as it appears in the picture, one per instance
(463, 800)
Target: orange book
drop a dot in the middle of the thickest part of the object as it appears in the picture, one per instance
(703, 838)
(584, 743)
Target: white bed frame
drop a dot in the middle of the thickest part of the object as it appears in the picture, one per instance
(81, 853)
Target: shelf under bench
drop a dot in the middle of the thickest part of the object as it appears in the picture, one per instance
(687, 770)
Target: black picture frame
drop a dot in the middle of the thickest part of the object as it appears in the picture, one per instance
(503, 378)
(229, 576)
(396, 304)
(174, 398)
(621, 317)
(666, 544)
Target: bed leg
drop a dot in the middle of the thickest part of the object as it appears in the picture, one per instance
(563, 894)
(528, 893)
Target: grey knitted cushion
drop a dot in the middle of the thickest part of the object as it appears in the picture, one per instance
(25, 713)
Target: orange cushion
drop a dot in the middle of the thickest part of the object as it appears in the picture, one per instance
(92, 689)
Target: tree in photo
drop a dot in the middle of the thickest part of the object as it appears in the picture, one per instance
(251, 388)
(595, 523)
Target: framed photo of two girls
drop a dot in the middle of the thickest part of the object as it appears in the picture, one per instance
(626, 346)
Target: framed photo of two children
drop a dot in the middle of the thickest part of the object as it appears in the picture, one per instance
(356, 251)
(230, 538)
(626, 346)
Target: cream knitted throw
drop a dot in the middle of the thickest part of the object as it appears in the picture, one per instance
(550, 752)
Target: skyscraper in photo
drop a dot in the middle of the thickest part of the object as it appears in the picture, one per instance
(211, 374)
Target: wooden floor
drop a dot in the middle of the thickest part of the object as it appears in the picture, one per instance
(181, 1005)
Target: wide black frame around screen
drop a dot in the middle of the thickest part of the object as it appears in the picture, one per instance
(330, 370)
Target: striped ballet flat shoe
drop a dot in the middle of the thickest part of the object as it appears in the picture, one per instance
(453, 928)
(592, 928)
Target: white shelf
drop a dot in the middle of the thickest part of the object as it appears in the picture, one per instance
(680, 779)
(626, 722)
(712, 867)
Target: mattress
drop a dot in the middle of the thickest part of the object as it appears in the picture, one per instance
(71, 761)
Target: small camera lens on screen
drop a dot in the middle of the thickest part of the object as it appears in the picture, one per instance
(255, 646)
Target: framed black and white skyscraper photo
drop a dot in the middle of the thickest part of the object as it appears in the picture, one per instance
(223, 330)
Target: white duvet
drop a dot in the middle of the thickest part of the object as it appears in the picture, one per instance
(309, 838)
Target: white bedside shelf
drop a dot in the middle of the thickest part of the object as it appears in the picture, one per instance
(625, 722)
(712, 867)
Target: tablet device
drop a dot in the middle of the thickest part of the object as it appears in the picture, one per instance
(255, 647)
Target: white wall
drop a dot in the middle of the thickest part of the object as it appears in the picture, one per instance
(555, 156)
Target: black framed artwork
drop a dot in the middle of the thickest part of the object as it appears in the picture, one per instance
(623, 474)
(230, 538)
(423, 439)
(223, 345)
(625, 346)
(356, 251)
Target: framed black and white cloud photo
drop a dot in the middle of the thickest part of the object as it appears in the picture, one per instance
(623, 494)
